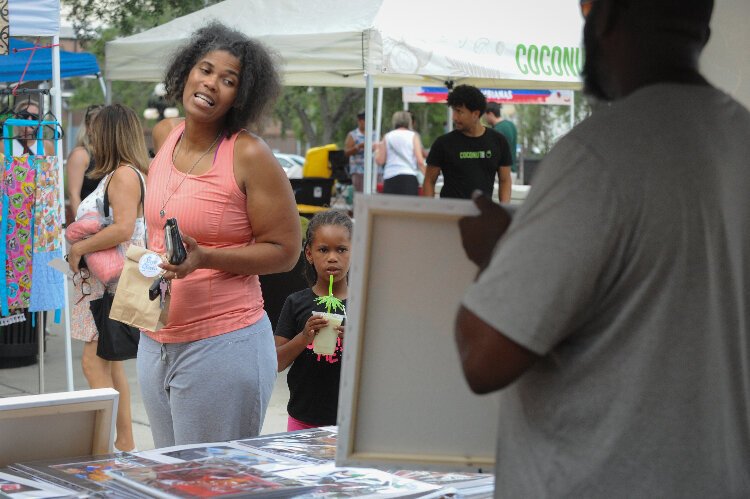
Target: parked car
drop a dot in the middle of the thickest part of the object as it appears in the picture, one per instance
(300, 160)
(291, 164)
(284, 160)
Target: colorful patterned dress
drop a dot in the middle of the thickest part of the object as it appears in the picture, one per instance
(19, 189)
(47, 284)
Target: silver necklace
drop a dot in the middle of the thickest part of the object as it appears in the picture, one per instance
(162, 213)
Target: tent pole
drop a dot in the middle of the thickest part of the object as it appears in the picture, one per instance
(102, 85)
(57, 106)
(40, 344)
(572, 110)
(68, 124)
(108, 93)
(368, 180)
(378, 122)
(379, 114)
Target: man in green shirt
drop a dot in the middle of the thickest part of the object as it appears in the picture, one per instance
(495, 119)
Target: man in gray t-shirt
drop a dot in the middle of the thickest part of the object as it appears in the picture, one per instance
(616, 308)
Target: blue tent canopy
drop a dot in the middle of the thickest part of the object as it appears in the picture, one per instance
(71, 63)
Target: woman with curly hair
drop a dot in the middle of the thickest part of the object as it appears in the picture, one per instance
(207, 375)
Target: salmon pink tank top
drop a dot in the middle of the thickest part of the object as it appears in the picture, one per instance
(212, 209)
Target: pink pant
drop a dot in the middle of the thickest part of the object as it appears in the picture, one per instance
(295, 424)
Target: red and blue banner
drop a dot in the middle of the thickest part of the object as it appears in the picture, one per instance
(500, 95)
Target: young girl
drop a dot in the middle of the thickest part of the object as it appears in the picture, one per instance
(314, 379)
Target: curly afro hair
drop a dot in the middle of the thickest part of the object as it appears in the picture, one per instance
(468, 96)
(259, 84)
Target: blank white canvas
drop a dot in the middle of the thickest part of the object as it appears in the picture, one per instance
(726, 58)
(404, 401)
(53, 425)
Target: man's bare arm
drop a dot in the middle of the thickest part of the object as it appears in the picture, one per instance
(489, 359)
(430, 178)
(504, 182)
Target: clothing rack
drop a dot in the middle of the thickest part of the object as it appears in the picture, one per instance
(28, 91)
(8, 149)
(40, 121)
(11, 122)
(14, 91)
(39, 21)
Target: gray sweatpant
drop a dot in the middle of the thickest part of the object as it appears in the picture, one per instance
(208, 390)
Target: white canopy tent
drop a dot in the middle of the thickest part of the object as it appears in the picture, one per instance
(487, 43)
(384, 43)
(336, 42)
(34, 17)
(42, 18)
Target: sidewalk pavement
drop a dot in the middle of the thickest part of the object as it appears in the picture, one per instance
(25, 381)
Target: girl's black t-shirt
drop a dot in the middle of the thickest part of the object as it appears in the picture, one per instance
(313, 379)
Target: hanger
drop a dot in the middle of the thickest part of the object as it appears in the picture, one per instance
(21, 115)
(8, 109)
(57, 129)
(7, 112)
(24, 114)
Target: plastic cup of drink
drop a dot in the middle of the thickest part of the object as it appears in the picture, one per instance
(324, 342)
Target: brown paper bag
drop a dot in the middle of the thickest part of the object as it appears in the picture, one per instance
(131, 304)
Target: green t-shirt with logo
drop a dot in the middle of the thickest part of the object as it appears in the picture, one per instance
(509, 131)
(469, 163)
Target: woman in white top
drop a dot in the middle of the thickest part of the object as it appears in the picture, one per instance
(401, 153)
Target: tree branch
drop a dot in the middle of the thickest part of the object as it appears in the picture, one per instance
(307, 125)
(350, 97)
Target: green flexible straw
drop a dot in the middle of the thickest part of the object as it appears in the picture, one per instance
(330, 301)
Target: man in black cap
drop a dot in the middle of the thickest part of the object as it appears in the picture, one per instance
(614, 314)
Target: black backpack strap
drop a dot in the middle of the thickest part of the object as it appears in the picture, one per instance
(106, 189)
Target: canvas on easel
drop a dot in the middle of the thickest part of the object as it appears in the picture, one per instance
(404, 402)
(53, 425)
